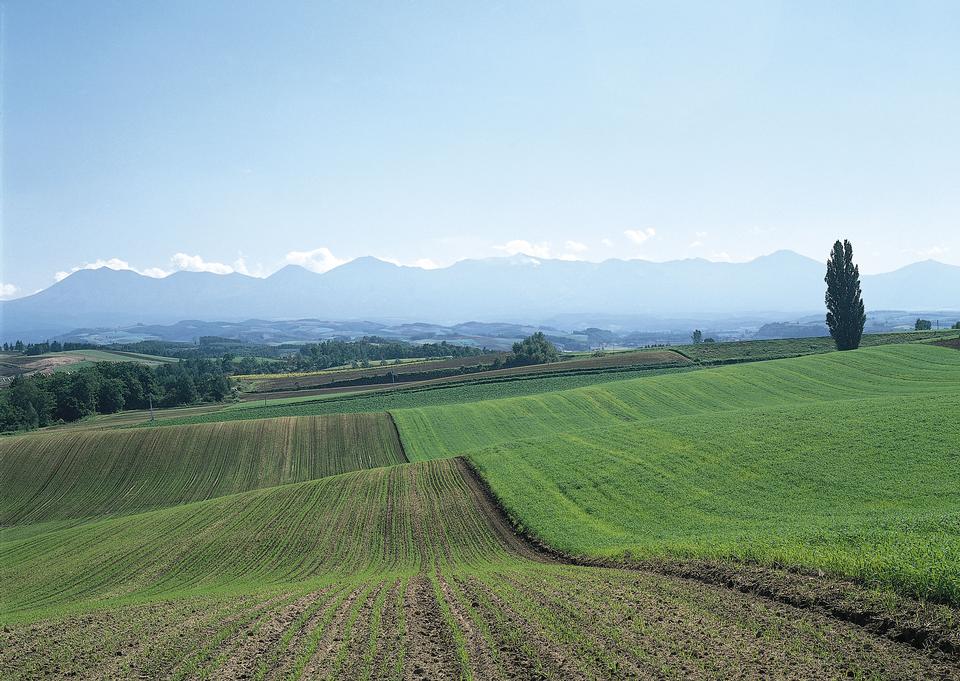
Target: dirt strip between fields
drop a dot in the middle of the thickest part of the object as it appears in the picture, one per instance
(930, 627)
(396, 431)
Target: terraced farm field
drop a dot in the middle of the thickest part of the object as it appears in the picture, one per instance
(402, 572)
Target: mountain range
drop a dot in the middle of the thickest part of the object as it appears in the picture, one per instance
(516, 288)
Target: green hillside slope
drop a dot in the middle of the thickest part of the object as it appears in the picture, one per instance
(63, 476)
(404, 518)
(848, 463)
(440, 431)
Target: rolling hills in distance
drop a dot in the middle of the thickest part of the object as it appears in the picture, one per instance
(772, 287)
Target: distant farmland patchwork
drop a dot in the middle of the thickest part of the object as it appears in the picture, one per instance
(306, 546)
(16, 364)
(459, 369)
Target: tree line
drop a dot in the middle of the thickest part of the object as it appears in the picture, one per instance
(334, 353)
(45, 347)
(106, 388)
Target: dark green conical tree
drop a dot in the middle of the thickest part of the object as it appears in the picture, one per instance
(845, 313)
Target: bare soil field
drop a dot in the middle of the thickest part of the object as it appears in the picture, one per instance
(20, 365)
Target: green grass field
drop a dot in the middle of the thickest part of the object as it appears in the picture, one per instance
(844, 462)
(449, 430)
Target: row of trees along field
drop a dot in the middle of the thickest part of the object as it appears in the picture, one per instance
(106, 388)
(927, 325)
(335, 353)
(31, 349)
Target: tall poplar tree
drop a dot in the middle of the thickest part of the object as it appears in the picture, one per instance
(845, 312)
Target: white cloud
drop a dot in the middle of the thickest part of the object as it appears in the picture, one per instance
(425, 263)
(607, 242)
(240, 266)
(524, 247)
(112, 263)
(933, 252)
(638, 236)
(572, 250)
(318, 260)
(8, 290)
(195, 263)
(722, 256)
(695, 244)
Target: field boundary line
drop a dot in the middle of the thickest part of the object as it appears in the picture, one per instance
(403, 447)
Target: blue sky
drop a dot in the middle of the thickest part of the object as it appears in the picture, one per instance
(243, 136)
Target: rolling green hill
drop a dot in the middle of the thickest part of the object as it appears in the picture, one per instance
(385, 520)
(449, 430)
(68, 476)
(847, 462)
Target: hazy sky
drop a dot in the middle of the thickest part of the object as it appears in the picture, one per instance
(191, 135)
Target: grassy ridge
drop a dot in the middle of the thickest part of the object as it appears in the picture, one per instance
(61, 476)
(846, 462)
(386, 520)
(868, 489)
(440, 431)
(478, 388)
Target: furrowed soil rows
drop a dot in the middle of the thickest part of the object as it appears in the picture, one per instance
(454, 596)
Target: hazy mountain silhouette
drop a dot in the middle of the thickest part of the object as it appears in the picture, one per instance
(515, 288)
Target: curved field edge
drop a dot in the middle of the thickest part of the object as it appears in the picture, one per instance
(857, 487)
(56, 477)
